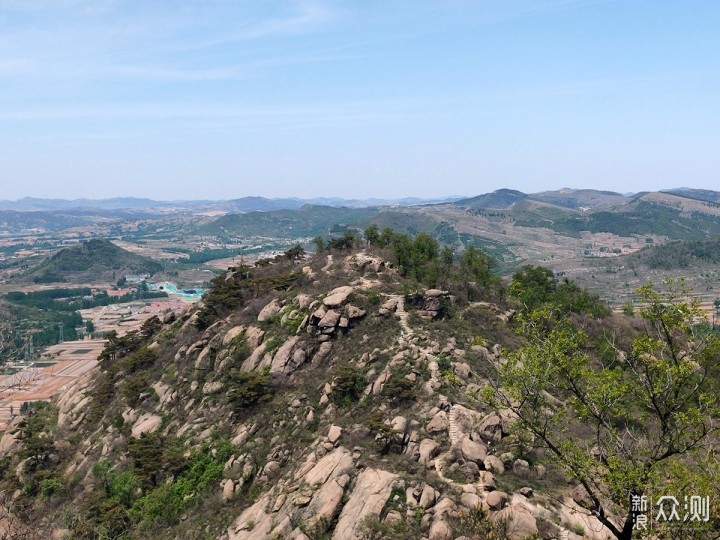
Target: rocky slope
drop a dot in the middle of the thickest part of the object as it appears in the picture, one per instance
(300, 401)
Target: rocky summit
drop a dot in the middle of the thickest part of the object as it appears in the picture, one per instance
(304, 399)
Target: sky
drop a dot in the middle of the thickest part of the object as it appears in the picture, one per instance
(219, 99)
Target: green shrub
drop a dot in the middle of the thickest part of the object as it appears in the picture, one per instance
(247, 389)
(51, 486)
(273, 344)
(134, 387)
(139, 360)
(399, 389)
(475, 524)
(349, 385)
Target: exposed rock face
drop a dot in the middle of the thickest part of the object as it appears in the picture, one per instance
(269, 310)
(254, 337)
(336, 463)
(72, 405)
(492, 428)
(303, 300)
(389, 306)
(497, 500)
(473, 451)
(337, 297)
(257, 521)
(285, 360)
(439, 423)
(232, 334)
(322, 362)
(365, 262)
(428, 450)
(494, 464)
(147, 423)
(352, 312)
(440, 530)
(10, 442)
(368, 498)
(431, 303)
(253, 361)
(581, 497)
(329, 320)
(334, 434)
(325, 504)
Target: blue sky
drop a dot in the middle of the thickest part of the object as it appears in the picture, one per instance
(227, 98)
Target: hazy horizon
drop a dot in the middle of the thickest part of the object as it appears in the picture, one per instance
(312, 98)
(332, 197)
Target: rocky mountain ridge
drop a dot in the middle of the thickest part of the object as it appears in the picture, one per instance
(326, 404)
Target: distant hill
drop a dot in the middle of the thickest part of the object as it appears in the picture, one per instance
(306, 221)
(678, 255)
(574, 199)
(242, 204)
(502, 198)
(567, 212)
(92, 260)
(13, 221)
(581, 198)
(699, 194)
(664, 214)
(30, 204)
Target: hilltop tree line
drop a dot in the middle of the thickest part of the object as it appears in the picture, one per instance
(75, 299)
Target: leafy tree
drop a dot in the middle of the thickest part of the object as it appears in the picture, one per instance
(476, 267)
(247, 388)
(645, 411)
(533, 286)
(372, 235)
(147, 453)
(346, 241)
(294, 253)
(386, 237)
(319, 242)
(349, 385)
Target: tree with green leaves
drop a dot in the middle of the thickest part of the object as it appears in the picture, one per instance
(622, 424)
(295, 253)
(386, 237)
(319, 242)
(347, 241)
(372, 235)
(477, 266)
(532, 286)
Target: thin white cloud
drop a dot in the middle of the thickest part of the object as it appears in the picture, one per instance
(81, 39)
(151, 111)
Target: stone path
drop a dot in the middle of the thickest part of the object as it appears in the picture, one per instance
(453, 428)
(329, 263)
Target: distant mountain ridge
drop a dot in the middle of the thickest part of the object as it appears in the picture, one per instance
(699, 194)
(501, 198)
(242, 204)
(566, 198)
(498, 199)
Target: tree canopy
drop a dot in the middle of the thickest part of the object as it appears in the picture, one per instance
(646, 414)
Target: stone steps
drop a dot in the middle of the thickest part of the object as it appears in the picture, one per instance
(329, 263)
(402, 315)
(453, 428)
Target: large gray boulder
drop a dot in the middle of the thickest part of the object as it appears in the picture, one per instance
(473, 451)
(368, 498)
(269, 310)
(337, 297)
